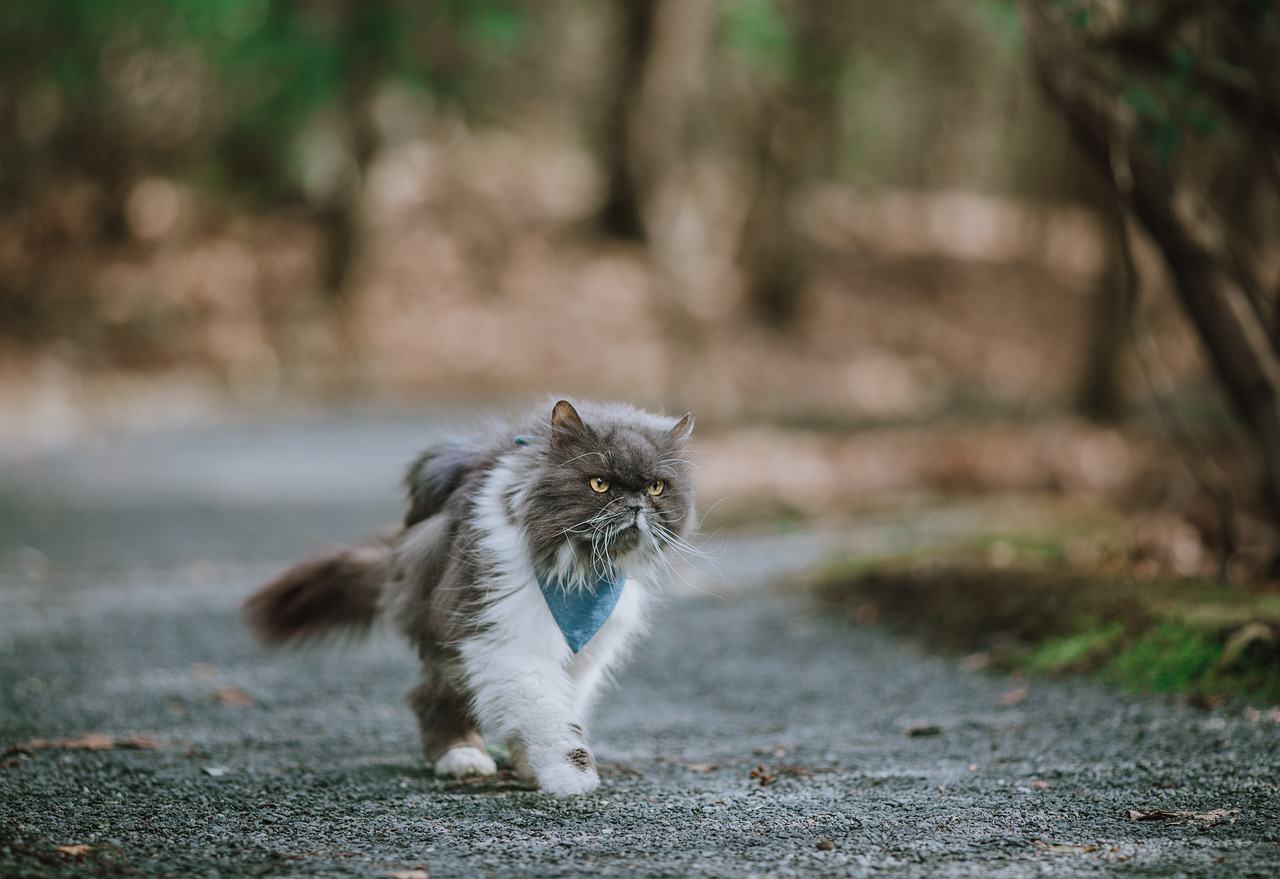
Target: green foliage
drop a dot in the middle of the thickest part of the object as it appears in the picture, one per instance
(1170, 658)
(758, 32)
(1000, 18)
(495, 27)
(265, 66)
(1077, 652)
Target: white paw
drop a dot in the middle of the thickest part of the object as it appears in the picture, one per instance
(463, 761)
(566, 773)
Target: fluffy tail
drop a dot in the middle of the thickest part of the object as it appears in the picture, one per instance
(322, 595)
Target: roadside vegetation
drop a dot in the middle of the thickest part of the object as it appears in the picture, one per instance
(1033, 614)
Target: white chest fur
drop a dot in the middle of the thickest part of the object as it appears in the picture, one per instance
(527, 682)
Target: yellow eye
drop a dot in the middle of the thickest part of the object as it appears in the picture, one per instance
(656, 487)
(599, 484)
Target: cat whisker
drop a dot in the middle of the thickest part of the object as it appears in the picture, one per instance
(686, 551)
(678, 576)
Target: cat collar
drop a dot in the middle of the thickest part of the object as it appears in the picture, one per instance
(581, 612)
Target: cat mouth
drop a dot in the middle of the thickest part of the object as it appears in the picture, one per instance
(627, 539)
(623, 536)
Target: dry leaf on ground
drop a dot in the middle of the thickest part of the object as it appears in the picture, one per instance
(233, 696)
(1180, 816)
(1066, 848)
(410, 874)
(924, 729)
(1014, 696)
(87, 742)
(700, 767)
(767, 777)
(75, 851)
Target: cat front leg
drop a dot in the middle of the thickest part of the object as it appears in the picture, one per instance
(560, 764)
(532, 701)
(524, 768)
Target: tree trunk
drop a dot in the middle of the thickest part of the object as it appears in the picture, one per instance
(795, 141)
(1193, 244)
(660, 166)
(620, 215)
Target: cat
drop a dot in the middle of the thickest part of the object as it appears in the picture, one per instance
(526, 565)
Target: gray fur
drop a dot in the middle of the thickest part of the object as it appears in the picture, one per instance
(433, 579)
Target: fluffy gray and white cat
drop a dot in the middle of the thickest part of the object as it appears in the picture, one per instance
(526, 564)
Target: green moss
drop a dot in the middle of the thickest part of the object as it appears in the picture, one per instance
(1170, 658)
(1153, 636)
(1077, 652)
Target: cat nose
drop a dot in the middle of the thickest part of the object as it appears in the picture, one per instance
(635, 505)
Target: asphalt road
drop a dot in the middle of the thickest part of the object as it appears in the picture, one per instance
(749, 737)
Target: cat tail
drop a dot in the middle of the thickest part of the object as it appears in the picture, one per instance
(330, 593)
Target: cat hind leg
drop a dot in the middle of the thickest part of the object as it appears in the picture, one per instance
(463, 760)
(450, 740)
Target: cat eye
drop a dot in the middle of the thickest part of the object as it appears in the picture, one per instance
(656, 487)
(599, 484)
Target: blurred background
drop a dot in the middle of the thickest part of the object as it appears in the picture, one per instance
(859, 240)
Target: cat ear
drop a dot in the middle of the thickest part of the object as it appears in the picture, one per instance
(565, 419)
(683, 429)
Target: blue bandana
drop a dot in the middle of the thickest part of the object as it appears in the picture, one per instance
(581, 612)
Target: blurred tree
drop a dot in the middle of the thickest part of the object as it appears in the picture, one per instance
(1179, 104)
(1098, 392)
(270, 100)
(797, 51)
(620, 216)
(662, 99)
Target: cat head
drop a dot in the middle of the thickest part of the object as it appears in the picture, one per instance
(612, 489)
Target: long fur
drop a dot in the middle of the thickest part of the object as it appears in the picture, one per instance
(486, 517)
(337, 591)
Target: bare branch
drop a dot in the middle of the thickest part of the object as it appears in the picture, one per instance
(1197, 459)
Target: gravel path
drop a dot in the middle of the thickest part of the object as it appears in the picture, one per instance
(749, 737)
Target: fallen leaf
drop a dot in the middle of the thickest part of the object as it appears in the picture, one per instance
(701, 767)
(1066, 848)
(620, 769)
(768, 777)
(976, 661)
(1204, 819)
(1012, 697)
(410, 874)
(825, 845)
(232, 696)
(1041, 785)
(924, 729)
(75, 851)
(87, 742)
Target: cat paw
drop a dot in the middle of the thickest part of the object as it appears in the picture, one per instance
(463, 761)
(520, 762)
(568, 774)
